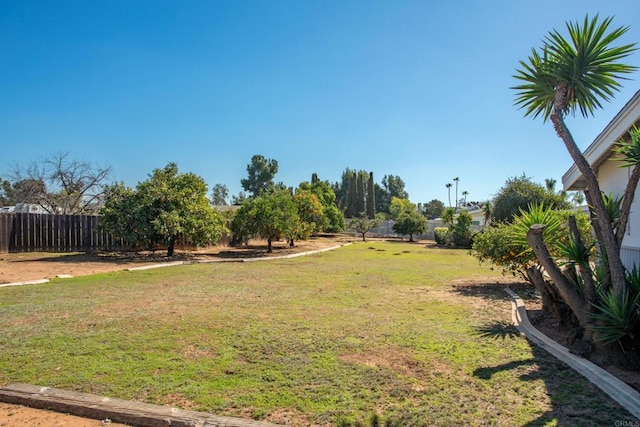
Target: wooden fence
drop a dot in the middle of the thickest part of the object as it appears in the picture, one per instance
(26, 232)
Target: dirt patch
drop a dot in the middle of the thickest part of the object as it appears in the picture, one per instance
(19, 267)
(22, 416)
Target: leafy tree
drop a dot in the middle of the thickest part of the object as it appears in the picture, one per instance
(272, 216)
(219, 195)
(433, 209)
(461, 229)
(333, 219)
(363, 224)
(60, 184)
(261, 172)
(410, 223)
(239, 199)
(30, 191)
(382, 198)
(5, 193)
(311, 213)
(519, 193)
(569, 75)
(168, 207)
(399, 206)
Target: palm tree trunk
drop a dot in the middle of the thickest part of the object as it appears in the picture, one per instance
(606, 235)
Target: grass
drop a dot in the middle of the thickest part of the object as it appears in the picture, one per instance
(413, 335)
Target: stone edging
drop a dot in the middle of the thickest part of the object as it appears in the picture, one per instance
(618, 390)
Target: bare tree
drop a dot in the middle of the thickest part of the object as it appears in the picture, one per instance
(60, 184)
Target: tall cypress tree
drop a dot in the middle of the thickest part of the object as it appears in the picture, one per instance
(371, 198)
(360, 206)
(351, 210)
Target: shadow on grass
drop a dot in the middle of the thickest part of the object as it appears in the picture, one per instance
(493, 291)
(107, 258)
(574, 400)
(498, 330)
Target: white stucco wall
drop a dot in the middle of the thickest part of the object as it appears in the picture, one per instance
(613, 178)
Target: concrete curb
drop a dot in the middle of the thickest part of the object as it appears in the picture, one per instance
(299, 254)
(152, 266)
(619, 391)
(28, 282)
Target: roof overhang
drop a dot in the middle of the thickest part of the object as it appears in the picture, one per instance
(601, 148)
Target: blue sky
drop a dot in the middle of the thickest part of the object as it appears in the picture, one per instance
(418, 89)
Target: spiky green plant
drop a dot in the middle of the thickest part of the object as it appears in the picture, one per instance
(536, 214)
(617, 316)
(613, 205)
(630, 150)
(574, 252)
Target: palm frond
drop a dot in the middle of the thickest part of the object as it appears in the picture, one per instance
(585, 65)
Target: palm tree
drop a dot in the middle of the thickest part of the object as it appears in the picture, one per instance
(449, 185)
(487, 209)
(456, 179)
(448, 216)
(578, 198)
(550, 184)
(575, 75)
(465, 193)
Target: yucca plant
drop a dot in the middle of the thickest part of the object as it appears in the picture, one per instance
(574, 252)
(617, 317)
(536, 214)
(613, 206)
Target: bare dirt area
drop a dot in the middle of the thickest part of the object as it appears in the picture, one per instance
(28, 266)
(22, 416)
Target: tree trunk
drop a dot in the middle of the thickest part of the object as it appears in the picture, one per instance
(363, 239)
(535, 277)
(269, 247)
(566, 288)
(589, 290)
(627, 200)
(171, 248)
(606, 235)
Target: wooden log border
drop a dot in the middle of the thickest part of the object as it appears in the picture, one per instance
(134, 413)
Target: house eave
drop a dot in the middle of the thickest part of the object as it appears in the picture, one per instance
(601, 147)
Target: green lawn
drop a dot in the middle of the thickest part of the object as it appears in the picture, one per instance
(419, 336)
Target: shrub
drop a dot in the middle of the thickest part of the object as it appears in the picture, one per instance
(442, 235)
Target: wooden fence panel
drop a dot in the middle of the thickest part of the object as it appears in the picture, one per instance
(6, 226)
(27, 232)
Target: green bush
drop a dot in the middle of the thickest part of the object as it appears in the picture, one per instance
(442, 235)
